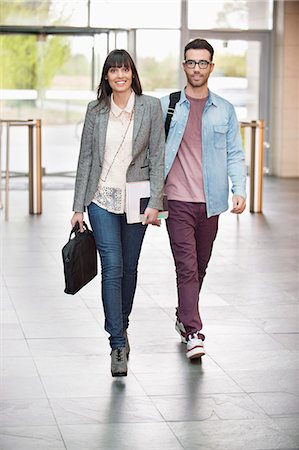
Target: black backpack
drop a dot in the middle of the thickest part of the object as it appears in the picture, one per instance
(173, 99)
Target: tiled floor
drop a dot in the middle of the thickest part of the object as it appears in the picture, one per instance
(57, 391)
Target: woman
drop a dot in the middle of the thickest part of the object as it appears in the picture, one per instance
(122, 141)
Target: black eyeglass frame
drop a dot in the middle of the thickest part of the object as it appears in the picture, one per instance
(204, 62)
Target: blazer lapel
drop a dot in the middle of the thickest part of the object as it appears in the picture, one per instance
(138, 116)
(102, 131)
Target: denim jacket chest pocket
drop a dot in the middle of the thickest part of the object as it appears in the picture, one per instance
(173, 122)
(220, 135)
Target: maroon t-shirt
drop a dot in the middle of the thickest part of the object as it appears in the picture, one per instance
(184, 181)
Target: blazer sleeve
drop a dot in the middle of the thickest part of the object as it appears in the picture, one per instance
(156, 156)
(84, 161)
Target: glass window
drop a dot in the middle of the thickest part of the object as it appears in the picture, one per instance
(236, 75)
(50, 78)
(158, 60)
(230, 14)
(75, 70)
(135, 14)
(44, 12)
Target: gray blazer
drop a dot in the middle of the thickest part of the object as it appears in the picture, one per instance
(147, 152)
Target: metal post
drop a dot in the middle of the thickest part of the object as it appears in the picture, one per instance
(252, 166)
(261, 124)
(31, 169)
(38, 167)
(7, 172)
(1, 129)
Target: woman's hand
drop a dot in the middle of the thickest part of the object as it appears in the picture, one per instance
(78, 217)
(151, 217)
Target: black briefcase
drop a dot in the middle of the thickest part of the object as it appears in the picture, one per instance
(80, 261)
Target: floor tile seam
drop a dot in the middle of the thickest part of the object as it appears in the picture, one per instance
(275, 393)
(211, 396)
(221, 419)
(285, 416)
(2, 431)
(154, 406)
(94, 397)
(57, 424)
(39, 375)
(167, 423)
(93, 315)
(268, 415)
(268, 420)
(286, 333)
(131, 372)
(207, 395)
(150, 296)
(227, 374)
(285, 345)
(17, 316)
(281, 343)
(35, 426)
(272, 392)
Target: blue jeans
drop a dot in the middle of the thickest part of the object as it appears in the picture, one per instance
(119, 246)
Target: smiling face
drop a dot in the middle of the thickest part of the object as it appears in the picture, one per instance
(196, 77)
(119, 76)
(120, 79)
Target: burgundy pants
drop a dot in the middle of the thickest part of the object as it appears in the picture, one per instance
(191, 236)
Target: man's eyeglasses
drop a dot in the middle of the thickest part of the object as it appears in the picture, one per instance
(202, 63)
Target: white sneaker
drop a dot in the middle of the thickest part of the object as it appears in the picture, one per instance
(195, 348)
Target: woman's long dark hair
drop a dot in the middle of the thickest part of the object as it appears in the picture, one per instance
(117, 58)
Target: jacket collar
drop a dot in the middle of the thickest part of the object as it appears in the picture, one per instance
(212, 98)
(116, 110)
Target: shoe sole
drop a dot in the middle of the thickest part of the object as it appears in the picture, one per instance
(195, 353)
(183, 339)
(119, 374)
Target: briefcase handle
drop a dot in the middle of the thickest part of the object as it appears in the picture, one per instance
(76, 229)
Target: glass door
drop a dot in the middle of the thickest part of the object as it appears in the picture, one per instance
(242, 62)
(50, 77)
(53, 77)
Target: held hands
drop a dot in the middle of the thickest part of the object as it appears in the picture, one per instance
(78, 217)
(151, 216)
(239, 204)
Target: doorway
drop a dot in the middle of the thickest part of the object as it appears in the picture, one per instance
(242, 74)
(55, 76)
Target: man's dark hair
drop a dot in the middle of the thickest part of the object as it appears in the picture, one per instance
(117, 58)
(199, 44)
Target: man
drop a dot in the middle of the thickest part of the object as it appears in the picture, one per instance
(203, 150)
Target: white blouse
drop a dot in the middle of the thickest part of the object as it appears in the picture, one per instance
(110, 194)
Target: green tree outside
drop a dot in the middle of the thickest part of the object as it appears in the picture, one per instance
(25, 66)
(231, 66)
(29, 61)
(158, 74)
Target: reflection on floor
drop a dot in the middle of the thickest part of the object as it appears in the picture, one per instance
(57, 391)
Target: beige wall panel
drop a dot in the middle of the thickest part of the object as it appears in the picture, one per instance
(291, 60)
(292, 7)
(291, 29)
(290, 93)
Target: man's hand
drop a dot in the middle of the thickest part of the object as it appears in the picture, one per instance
(239, 204)
(78, 217)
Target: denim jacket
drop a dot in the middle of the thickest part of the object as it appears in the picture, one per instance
(222, 153)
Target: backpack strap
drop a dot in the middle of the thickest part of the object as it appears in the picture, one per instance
(173, 99)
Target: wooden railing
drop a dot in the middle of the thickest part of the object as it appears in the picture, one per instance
(35, 163)
(256, 164)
